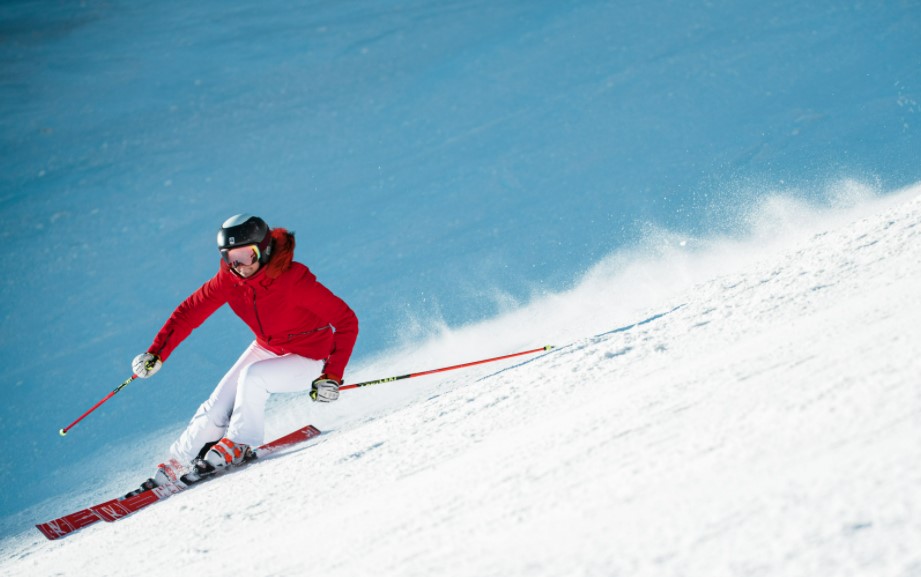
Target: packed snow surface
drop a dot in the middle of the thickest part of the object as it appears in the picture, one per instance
(765, 421)
(442, 162)
(703, 205)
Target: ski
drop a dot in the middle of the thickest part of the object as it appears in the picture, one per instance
(68, 524)
(119, 508)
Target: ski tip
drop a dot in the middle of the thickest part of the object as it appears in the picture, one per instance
(47, 532)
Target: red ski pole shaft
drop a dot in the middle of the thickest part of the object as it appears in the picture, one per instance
(64, 431)
(441, 370)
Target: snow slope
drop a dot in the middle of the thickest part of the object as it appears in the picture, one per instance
(443, 162)
(765, 422)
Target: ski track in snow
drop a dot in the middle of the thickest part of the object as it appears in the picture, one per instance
(767, 422)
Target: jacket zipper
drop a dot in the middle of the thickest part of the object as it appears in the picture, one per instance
(256, 312)
(310, 332)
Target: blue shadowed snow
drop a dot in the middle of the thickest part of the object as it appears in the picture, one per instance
(441, 163)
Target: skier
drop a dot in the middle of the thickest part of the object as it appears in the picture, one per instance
(304, 338)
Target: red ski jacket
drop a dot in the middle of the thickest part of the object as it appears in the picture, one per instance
(283, 304)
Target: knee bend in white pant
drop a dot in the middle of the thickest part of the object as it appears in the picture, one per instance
(284, 374)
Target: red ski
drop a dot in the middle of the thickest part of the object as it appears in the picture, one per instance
(121, 507)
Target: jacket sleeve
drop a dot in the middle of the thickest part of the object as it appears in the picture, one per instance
(188, 316)
(331, 309)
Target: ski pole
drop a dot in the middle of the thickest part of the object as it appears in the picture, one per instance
(63, 431)
(451, 368)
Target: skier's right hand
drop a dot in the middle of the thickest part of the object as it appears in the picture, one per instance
(146, 365)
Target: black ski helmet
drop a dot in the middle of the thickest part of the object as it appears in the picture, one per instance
(244, 229)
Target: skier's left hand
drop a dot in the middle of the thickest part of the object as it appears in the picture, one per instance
(325, 388)
(146, 365)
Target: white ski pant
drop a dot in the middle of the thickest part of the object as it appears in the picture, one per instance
(236, 408)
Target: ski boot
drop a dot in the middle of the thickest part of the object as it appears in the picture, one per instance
(221, 455)
(168, 472)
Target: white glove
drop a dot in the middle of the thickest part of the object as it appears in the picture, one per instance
(146, 365)
(325, 389)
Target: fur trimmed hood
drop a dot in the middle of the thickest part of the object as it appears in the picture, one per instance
(282, 252)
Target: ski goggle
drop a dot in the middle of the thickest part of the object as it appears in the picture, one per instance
(242, 255)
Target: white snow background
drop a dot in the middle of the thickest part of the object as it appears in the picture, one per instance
(710, 209)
